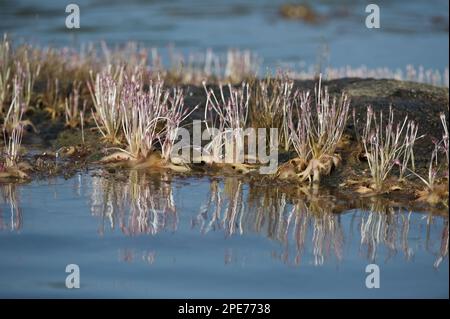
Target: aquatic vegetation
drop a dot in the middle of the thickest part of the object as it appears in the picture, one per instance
(12, 135)
(149, 119)
(385, 144)
(73, 113)
(409, 73)
(226, 119)
(31, 71)
(408, 153)
(241, 65)
(271, 98)
(131, 54)
(60, 70)
(139, 119)
(5, 71)
(15, 111)
(141, 114)
(436, 190)
(445, 139)
(422, 75)
(315, 134)
(18, 103)
(12, 129)
(17, 66)
(175, 112)
(52, 98)
(193, 68)
(235, 66)
(105, 92)
(13, 146)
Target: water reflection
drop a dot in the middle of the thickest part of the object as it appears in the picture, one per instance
(313, 225)
(138, 205)
(10, 211)
(308, 226)
(131, 255)
(305, 227)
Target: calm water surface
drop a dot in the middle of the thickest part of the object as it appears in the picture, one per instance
(162, 236)
(136, 236)
(412, 32)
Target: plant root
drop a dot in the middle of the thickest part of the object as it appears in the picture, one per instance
(438, 195)
(301, 170)
(153, 161)
(117, 157)
(14, 173)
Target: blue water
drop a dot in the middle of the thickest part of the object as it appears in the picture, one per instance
(412, 32)
(137, 236)
(157, 237)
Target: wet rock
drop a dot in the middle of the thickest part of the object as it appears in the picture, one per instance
(301, 12)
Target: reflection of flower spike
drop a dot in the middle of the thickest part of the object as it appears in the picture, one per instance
(148, 209)
(10, 197)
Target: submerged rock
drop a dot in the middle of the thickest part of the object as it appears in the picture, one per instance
(301, 12)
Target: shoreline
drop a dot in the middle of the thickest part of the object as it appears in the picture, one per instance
(420, 102)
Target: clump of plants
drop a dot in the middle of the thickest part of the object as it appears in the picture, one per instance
(271, 98)
(315, 132)
(121, 94)
(74, 111)
(226, 118)
(105, 90)
(5, 71)
(385, 143)
(235, 66)
(436, 181)
(388, 144)
(12, 129)
(142, 123)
